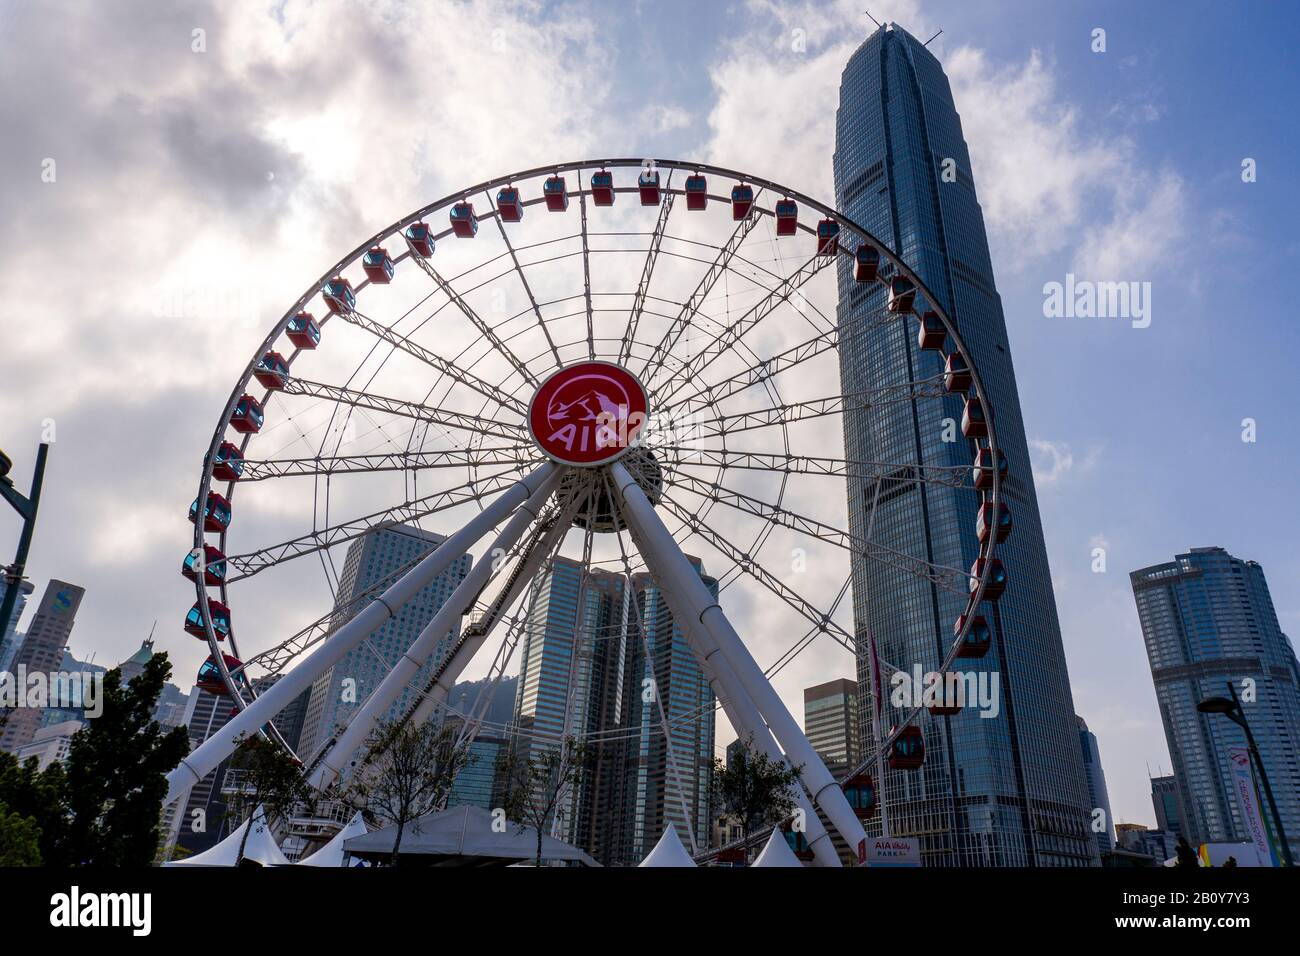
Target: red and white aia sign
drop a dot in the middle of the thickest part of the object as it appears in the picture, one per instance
(588, 413)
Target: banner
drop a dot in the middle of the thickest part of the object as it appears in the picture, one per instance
(1243, 782)
(893, 851)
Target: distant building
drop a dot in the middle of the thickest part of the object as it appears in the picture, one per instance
(830, 722)
(10, 639)
(50, 744)
(1157, 844)
(42, 651)
(480, 782)
(1207, 621)
(1096, 780)
(1164, 799)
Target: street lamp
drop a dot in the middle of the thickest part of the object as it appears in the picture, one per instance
(26, 507)
(1230, 707)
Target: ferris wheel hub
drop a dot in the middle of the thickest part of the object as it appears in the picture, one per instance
(588, 414)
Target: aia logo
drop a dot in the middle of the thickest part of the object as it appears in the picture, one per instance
(587, 414)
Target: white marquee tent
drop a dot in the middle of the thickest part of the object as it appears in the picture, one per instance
(777, 852)
(261, 847)
(331, 854)
(668, 851)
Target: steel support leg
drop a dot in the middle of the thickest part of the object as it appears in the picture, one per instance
(222, 743)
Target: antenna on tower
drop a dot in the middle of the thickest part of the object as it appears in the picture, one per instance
(931, 40)
(872, 19)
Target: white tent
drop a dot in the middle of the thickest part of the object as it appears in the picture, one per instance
(261, 847)
(668, 851)
(462, 836)
(777, 852)
(331, 854)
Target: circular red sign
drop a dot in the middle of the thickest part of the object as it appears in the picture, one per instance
(588, 413)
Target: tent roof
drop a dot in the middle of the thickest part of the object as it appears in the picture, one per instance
(668, 851)
(331, 854)
(261, 847)
(777, 852)
(464, 831)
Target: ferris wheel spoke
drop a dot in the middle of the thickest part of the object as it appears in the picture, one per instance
(792, 412)
(955, 476)
(754, 569)
(737, 329)
(460, 421)
(586, 272)
(643, 287)
(469, 457)
(471, 491)
(528, 289)
(655, 362)
(477, 321)
(943, 577)
(445, 366)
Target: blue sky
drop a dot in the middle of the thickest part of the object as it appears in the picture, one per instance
(1118, 166)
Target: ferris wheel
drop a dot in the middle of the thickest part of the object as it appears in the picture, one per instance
(621, 360)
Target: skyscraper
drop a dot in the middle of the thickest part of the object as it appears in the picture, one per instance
(372, 558)
(830, 721)
(1207, 620)
(10, 640)
(1164, 800)
(42, 651)
(1097, 793)
(1006, 790)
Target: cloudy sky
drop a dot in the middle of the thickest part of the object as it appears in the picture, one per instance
(164, 198)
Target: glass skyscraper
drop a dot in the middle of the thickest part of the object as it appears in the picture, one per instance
(1007, 790)
(1207, 619)
(1098, 796)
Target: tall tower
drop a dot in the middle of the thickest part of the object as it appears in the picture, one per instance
(1098, 795)
(1207, 620)
(42, 651)
(830, 719)
(994, 791)
(10, 640)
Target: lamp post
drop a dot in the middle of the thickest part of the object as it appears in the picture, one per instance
(1230, 707)
(26, 507)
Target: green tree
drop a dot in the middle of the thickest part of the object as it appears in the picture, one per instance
(755, 789)
(116, 773)
(37, 796)
(537, 788)
(269, 778)
(411, 775)
(19, 839)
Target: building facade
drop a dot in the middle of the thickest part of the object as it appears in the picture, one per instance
(1102, 825)
(373, 558)
(42, 651)
(1007, 790)
(1165, 801)
(10, 639)
(1207, 621)
(830, 721)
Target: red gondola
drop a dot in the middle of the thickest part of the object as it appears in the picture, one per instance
(463, 221)
(557, 197)
(602, 187)
(982, 472)
(828, 234)
(984, 522)
(997, 578)
(978, 639)
(214, 566)
(974, 424)
(248, 417)
(902, 293)
(956, 374)
(339, 295)
(787, 217)
(378, 265)
(303, 331)
(272, 371)
(209, 677)
(860, 791)
(742, 201)
(220, 621)
(908, 750)
(932, 334)
(697, 193)
(868, 263)
(229, 464)
(509, 205)
(648, 184)
(216, 513)
(420, 238)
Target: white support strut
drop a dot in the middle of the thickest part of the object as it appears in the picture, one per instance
(222, 743)
(342, 754)
(667, 561)
(689, 600)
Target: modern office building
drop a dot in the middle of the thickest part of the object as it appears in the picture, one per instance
(830, 721)
(42, 651)
(10, 639)
(1102, 825)
(373, 558)
(1164, 800)
(1208, 621)
(480, 782)
(1007, 790)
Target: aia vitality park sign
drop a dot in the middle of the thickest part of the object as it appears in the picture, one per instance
(587, 414)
